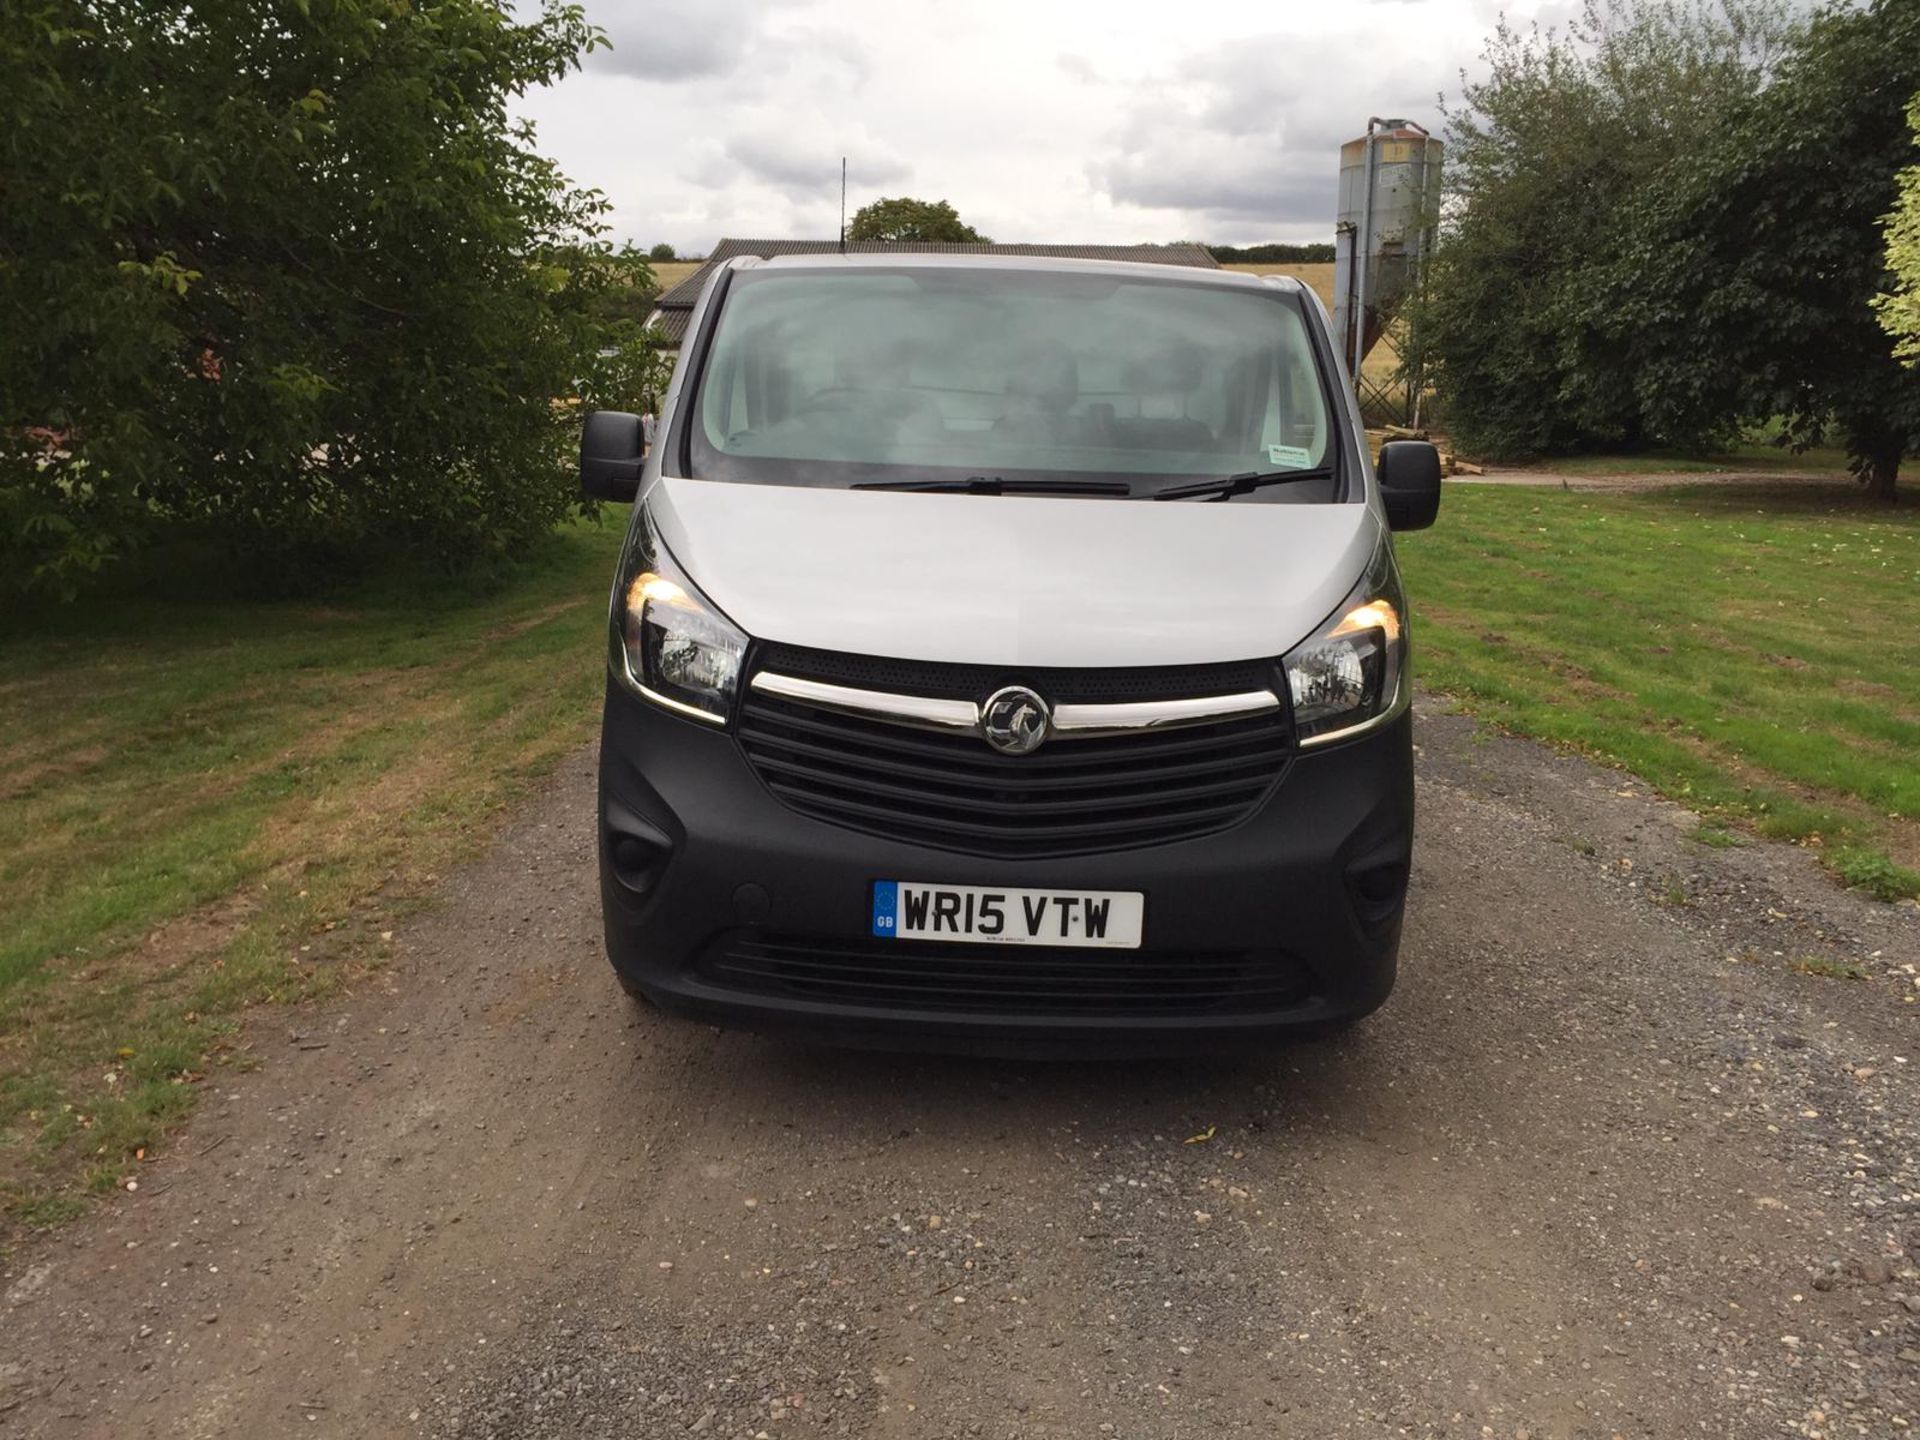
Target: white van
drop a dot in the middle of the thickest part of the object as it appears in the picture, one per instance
(1007, 653)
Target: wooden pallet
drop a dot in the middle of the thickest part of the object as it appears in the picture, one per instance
(1450, 463)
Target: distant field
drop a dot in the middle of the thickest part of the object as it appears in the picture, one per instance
(671, 272)
(1319, 277)
(1381, 361)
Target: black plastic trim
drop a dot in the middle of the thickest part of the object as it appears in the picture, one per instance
(1283, 879)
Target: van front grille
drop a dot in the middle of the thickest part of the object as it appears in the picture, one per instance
(1071, 796)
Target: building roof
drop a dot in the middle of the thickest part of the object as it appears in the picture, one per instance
(671, 323)
(676, 306)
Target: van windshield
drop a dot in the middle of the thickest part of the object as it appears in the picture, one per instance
(927, 374)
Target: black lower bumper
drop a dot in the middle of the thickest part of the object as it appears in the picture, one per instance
(721, 903)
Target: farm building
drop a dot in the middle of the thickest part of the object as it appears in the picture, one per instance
(675, 307)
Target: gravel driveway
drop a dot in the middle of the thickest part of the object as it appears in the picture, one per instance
(1610, 1163)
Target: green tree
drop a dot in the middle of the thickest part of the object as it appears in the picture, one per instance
(1565, 128)
(662, 251)
(1899, 309)
(907, 219)
(629, 289)
(1745, 280)
(1316, 253)
(290, 277)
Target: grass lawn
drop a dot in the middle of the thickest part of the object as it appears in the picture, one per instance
(1751, 650)
(1749, 457)
(207, 805)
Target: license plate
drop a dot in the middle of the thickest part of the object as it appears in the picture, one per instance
(982, 915)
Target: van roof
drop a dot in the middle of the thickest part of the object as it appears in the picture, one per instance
(1026, 264)
(1184, 255)
(675, 307)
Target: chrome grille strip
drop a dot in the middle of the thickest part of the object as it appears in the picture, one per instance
(919, 711)
(1070, 722)
(1076, 722)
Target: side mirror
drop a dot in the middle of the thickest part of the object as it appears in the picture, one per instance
(611, 454)
(1409, 472)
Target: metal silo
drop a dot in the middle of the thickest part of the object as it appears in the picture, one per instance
(1389, 197)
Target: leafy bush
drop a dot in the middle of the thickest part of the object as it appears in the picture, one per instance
(1899, 308)
(1664, 223)
(1542, 155)
(290, 279)
(1743, 282)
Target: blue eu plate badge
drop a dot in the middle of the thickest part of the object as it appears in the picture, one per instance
(886, 905)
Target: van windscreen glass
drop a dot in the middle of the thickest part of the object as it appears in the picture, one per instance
(971, 373)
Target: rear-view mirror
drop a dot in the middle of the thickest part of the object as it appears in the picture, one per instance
(612, 449)
(1409, 472)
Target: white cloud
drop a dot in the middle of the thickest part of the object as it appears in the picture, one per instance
(680, 42)
(1069, 121)
(801, 161)
(1235, 134)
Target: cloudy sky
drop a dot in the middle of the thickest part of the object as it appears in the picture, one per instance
(1040, 120)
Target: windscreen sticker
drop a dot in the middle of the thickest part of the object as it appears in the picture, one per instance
(1291, 457)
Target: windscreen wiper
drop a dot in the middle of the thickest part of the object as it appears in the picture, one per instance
(994, 485)
(1229, 485)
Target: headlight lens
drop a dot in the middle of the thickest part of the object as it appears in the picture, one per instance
(669, 644)
(1350, 674)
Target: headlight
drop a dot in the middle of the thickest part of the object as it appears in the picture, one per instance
(1350, 675)
(669, 643)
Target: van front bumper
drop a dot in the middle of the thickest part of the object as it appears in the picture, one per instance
(722, 904)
